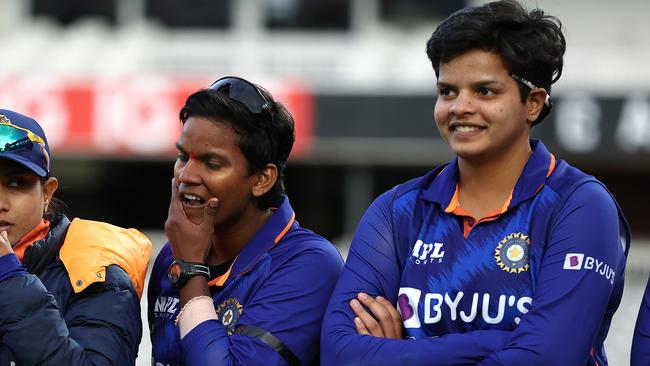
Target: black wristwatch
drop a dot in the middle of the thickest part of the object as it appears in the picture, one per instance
(180, 271)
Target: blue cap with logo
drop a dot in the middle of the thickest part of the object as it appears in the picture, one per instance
(22, 140)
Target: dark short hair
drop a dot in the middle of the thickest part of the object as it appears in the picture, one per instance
(531, 44)
(263, 138)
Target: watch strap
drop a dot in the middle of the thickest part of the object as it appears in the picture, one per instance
(196, 269)
(187, 270)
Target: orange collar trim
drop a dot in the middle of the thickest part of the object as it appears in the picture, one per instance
(219, 281)
(286, 228)
(457, 210)
(37, 233)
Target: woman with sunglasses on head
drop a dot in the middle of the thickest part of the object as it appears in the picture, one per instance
(69, 291)
(503, 256)
(239, 282)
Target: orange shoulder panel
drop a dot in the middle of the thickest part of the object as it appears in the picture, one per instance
(91, 246)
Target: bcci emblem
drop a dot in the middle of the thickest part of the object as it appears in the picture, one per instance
(512, 253)
(228, 314)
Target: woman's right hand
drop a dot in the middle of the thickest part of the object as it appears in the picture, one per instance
(5, 245)
(189, 241)
(383, 321)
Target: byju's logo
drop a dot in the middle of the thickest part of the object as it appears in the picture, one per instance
(573, 261)
(407, 305)
(578, 261)
(424, 253)
(459, 307)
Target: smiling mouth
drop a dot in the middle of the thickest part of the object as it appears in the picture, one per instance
(192, 200)
(466, 128)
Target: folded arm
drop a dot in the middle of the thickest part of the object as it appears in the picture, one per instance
(373, 268)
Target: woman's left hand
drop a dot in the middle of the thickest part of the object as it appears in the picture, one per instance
(5, 245)
(384, 320)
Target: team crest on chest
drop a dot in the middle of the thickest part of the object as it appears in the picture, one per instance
(512, 254)
(228, 314)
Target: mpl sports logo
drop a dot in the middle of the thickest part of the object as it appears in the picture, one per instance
(578, 261)
(166, 307)
(424, 253)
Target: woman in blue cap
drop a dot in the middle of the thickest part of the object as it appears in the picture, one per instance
(69, 291)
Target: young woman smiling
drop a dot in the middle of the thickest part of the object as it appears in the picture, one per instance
(505, 255)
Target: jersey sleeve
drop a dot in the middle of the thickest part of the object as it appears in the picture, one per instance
(289, 305)
(582, 265)
(373, 267)
(641, 340)
(159, 269)
(10, 267)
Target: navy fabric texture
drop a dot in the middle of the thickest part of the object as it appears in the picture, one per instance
(43, 322)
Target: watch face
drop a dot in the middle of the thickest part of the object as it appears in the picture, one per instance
(174, 273)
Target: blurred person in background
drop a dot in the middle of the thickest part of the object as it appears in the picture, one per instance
(239, 282)
(641, 339)
(503, 256)
(69, 291)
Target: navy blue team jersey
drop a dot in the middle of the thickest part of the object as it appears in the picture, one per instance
(279, 283)
(641, 340)
(535, 282)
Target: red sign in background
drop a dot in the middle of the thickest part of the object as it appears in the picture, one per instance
(127, 116)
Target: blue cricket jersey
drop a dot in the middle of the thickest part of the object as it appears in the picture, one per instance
(535, 283)
(641, 340)
(279, 283)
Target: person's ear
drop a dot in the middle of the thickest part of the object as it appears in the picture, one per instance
(49, 187)
(265, 178)
(535, 103)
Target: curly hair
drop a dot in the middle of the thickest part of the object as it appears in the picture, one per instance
(531, 44)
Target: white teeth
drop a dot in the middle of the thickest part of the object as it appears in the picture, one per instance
(191, 197)
(466, 128)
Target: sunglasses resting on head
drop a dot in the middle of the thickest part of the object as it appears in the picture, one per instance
(244, 92)
(14, 138)
(20, 142)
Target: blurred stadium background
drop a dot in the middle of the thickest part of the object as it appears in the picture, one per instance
(108, 77)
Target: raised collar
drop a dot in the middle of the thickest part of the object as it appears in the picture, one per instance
(540, 165)
(40, 254)
(90, 247)
(273, 230)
